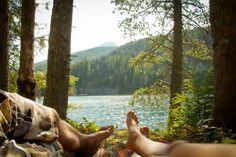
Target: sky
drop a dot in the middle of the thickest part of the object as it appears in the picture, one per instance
(93, 24)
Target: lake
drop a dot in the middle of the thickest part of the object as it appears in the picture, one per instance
(107, 110)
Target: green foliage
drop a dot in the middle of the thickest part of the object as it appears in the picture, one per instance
(143, 61)
(196, 103)
(86, 126)
(14, 33)
(111, 74)
(197, 49)
(12, 81)
(155, 95)
(40, 78)
(72, 81)
(196, 99)
(123, 70)
(158, 57)
(114, 74)
(229, 141)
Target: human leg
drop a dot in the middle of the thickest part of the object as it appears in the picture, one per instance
(78, 143)
(45, 125)
(147, 148)
(139, 143)
(203, 150)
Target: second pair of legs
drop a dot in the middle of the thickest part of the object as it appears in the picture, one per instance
(138, 142)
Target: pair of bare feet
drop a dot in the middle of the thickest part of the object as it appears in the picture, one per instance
(137, 138)
(90, 143)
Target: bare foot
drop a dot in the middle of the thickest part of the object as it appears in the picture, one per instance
(138, 142)
(131, 119)
(90, 143)
(133, 129)
(144, 129)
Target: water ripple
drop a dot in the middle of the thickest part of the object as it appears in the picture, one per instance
(112, 110)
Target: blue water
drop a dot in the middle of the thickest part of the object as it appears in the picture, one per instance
(107, 110)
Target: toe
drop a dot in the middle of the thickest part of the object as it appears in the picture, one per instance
(107, 127)
(130, 114)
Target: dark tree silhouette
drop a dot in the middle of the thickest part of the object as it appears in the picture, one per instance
(223, 24)
(4, 42)
(25, 82)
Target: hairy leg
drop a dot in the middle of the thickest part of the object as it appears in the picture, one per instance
(139, 143)
(76, 142)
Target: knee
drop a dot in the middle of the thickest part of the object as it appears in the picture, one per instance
(55, 115)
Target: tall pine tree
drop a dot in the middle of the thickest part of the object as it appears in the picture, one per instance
(4, 42)
(177, 61)
(25, 82)
(56, 95)
(223, 25)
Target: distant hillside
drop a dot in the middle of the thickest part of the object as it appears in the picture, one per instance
(90, 54)
(105, 70)
(108, 44)
(93, 53)
(111, 74)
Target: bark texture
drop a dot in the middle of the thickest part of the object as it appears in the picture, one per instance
(56, 95)
(223, 25)
(4, 42)
(25, 82)
(177, 61)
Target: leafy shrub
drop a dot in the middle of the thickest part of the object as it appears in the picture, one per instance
(196, 103)
(86, 126)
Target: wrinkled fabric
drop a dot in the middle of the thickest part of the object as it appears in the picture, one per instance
(6, 119)
(14, 149)
(30, 120)
(11, 149)
(24, 120)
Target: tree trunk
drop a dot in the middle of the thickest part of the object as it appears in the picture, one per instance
(177, 61)
(223, 25)
(4, 42)
(25, 82)
(56, 95)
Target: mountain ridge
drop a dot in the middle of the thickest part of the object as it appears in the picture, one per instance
(91, 53)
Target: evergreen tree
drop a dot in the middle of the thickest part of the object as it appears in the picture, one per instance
(177, 62)
(25, 82)
(223, 24)
(58, 67)
(4, 42)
